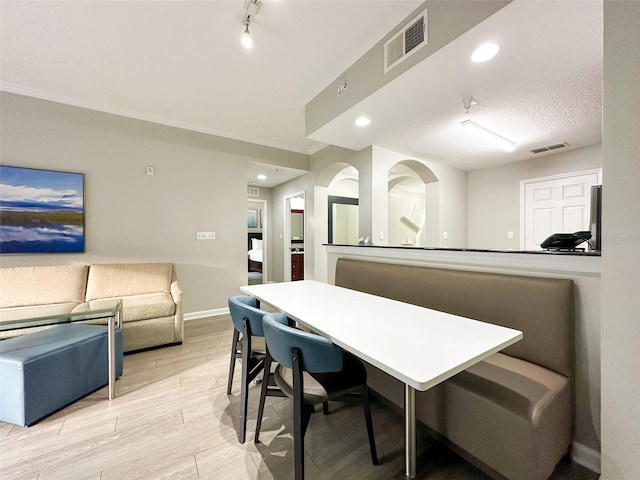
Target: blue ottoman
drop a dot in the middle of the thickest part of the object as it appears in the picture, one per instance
(45, 371)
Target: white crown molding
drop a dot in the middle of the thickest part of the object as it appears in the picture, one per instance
(147, 117)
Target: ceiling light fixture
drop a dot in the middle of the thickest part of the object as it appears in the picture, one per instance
(362, 121)
(489, 136)
(485, 52)
(251, 7)
(468, 102)
(245, 40)
(262, 177)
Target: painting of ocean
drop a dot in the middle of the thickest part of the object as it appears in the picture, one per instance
(41, 211)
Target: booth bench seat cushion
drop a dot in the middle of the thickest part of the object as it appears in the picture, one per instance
(43, 372)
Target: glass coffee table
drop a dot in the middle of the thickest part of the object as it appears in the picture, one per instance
(109, 310)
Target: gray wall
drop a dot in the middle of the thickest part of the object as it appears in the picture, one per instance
(494, 194)
(199, 184)
(621, 242)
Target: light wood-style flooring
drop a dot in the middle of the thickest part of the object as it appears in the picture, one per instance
(172, 419)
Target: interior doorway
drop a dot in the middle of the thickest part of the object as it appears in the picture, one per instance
(295, 233)
(257, 238)
(555, 204)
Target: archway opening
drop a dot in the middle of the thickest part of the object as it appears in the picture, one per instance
(413, 205)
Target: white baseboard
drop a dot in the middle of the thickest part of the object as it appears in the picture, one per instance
(205, 313)
(585, 456)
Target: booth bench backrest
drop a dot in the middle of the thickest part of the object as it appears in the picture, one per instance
(542, 308)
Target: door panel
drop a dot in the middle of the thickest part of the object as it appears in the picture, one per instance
(556, 205)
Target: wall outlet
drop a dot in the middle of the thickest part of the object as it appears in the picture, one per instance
(445, 235)
(381, 236)
(509, 234)
(149, 171)
(205, 235)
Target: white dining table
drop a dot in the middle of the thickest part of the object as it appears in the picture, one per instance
(418, 346)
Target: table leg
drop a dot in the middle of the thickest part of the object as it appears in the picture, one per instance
(111, 345)
(410, 437)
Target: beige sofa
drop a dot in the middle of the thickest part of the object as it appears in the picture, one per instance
(152, 311)
(512, 414)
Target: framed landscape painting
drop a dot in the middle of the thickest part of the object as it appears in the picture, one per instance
(252, 218)
(41, 211)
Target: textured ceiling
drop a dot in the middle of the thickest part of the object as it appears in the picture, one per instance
(543, 87)
(181, 64)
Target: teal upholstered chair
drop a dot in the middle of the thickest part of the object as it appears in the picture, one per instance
(333, 373)
(247, 323)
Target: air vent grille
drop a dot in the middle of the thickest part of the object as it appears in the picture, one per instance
(414, 35)
(406, 42)
(253, 191)
(547, 148)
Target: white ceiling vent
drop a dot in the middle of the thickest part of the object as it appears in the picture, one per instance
(253, 191)
(411, 38)
(555, 146)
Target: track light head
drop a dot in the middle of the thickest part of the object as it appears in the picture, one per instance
(245, 40)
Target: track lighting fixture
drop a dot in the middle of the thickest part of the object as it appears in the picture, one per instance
(251, 7)
(246, 40)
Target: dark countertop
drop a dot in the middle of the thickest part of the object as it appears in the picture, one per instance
(531, 252)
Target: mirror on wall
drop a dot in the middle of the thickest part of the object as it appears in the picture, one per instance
(343, 220)
(297, 226)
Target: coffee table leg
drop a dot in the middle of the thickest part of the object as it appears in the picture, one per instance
(410, 437)
(111, 334)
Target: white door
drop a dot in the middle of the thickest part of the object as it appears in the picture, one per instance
(558, 204)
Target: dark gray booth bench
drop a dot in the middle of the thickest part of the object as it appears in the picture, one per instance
(511, 414)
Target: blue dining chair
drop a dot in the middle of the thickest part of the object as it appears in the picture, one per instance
(247, 324)
(335, 374)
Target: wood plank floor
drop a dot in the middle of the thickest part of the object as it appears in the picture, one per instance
(172, 419)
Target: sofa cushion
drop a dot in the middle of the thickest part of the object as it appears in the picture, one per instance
(122, 280)
(22, 313)
(142, 307)
(42, 285)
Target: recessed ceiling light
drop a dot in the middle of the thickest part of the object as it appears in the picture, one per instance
(485, 52)
(262, 177)
(362, 121)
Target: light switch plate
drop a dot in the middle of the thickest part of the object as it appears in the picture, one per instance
(205, 235)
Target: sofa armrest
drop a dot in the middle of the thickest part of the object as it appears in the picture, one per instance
(176, 293)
